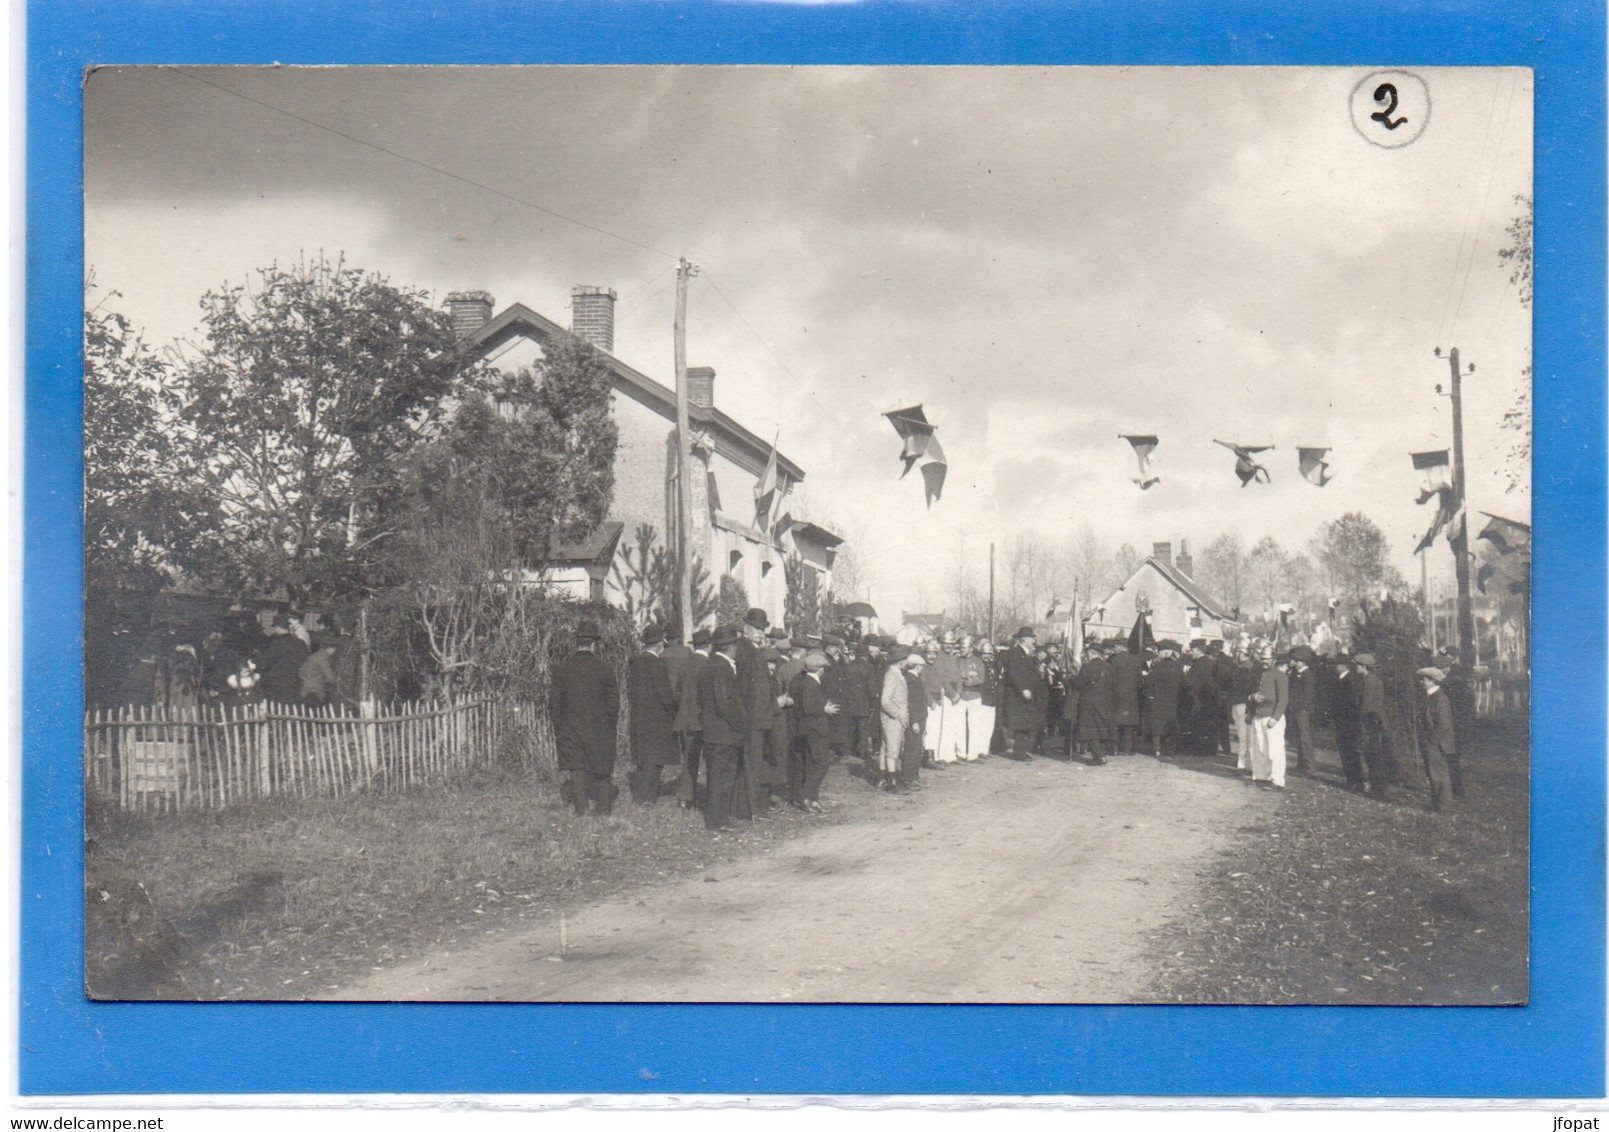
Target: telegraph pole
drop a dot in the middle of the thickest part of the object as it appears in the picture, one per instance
(1460, 537)
(684, 458)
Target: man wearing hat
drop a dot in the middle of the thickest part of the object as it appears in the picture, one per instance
(1093, 730)
(1162, 706)
(909, 775)
(584, 706)
(1462, 701)
(1376, 740)
(761, 774)
(812, 711)
(689, 726)
(653, 716)
(724, 718)
(1268, 706)
(894, 708)
(1346, 711)
(1023, 693)
(977, 717)
(1299, 725)
(1123, 670)
(1438, 738)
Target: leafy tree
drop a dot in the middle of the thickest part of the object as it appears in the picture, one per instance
(1352, 552)
(1266, 574)
(1221, 568)
(1517, 419)
(142, 514)
(311, 384)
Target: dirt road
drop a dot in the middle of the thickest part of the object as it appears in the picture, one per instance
(999, 882)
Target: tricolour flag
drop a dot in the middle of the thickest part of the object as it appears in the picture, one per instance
(1505, 535)
(1435, 473)
(769, 489)
(1143, 447)
(921, 448)
(1313, 468)
(1246, 468)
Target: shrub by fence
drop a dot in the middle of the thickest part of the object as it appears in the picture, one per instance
(155, 759)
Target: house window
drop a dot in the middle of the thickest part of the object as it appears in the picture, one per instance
(733, 561)
(765, 569)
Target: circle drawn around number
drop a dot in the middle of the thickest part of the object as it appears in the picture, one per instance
(1390, 108)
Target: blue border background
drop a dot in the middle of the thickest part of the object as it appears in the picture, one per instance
(1553, 1047)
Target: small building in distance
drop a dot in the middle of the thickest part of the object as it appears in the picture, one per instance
(1180, 609)
(727, 535)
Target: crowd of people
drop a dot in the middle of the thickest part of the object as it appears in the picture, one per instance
(282, 663)
(745, 718)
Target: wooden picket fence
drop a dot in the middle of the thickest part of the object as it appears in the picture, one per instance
(158, 759)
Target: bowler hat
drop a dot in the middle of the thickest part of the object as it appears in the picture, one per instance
(724, 635)
(701, 637)
(586, 629)
(757, 618)
(778, 633)
(652, 635)
(1025, 631)
(1302, 653)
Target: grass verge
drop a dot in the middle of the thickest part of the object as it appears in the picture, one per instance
(1329, 897)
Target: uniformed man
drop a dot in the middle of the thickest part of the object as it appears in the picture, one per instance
(653, 716)
(585, 706)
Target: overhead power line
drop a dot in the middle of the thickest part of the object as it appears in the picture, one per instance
(317, 125)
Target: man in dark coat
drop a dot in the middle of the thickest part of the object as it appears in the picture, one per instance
(689, 727)
(1461, 700)
(1438, 738)
(1378, 757)
(853, 694)
(1162, 705)
(1299, 732)
(725, 721)
(1123, 672)
(653, 716)
(1201, 688)
(678, 657)
(1022, 688)
(1094, 728)
(585, 708)
(754, 678)
(813, 711)
(1347, 711)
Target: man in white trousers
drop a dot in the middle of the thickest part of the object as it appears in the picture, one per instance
(1267, 725)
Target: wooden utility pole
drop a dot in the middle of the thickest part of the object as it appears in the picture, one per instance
(1460, 538)
(684, 459)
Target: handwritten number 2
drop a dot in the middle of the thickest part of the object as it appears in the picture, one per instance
(1387, 94)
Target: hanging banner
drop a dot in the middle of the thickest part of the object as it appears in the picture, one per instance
(1143, 447)
(1310, 461)
(1246, 468)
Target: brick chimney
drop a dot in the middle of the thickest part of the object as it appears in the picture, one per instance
(592, 316)
(1185, 565)
(470, 310)
(1162, 552)
(701, 388)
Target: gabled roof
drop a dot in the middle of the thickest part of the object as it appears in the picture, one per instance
(732, 440)
(597, 547)
(1208, 604)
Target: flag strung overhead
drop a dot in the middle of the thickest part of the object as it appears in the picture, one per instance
(1143, 447)
(1435, 473)
(1313, 468)
(921, 449)
(1505, 535)
(1247, 468)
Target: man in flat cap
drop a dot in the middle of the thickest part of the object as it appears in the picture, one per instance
(1438, 738)
(813, 711)
(1378, 757)
(585, 706)
(653, 716)
(1461, 698)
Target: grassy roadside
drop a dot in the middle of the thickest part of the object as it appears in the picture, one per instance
(1328, 897)
(288, 900)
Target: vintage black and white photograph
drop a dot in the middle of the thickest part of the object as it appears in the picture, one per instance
(807, 534)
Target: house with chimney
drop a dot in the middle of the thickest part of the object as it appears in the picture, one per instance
(1162, 586)
(728, 460)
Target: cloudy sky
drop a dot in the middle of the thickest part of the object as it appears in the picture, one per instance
(1044, 258)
